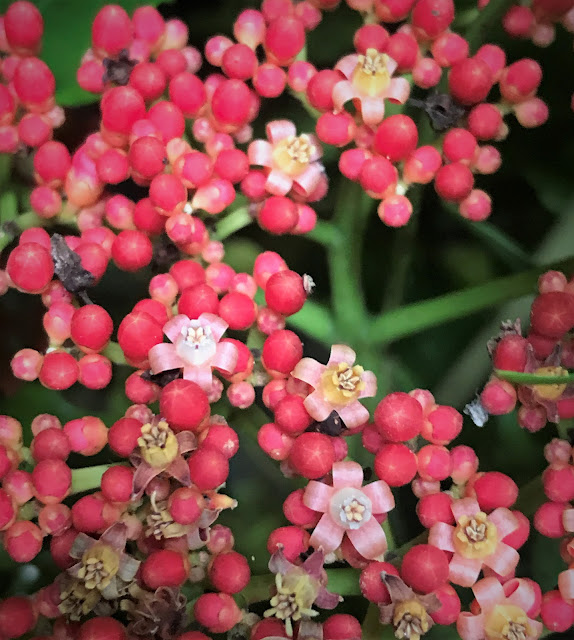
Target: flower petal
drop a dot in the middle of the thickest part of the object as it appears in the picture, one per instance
(116, 536)
(566, 584)
(347, 64)
(260, 153)
(317, 407)
(343, 92)
(217, 325)
(309, 371)
(537, 628)
(173, 327)
(278, 183)
(369, 540)
(186, 441)
(504, 520)
(353, 415)
(372, 110)
(201, 375)
(440, 536)
(309, 179)
(143, 475)
(568, 519)
(278, 563)
(369, 379)
(327, 535)
(317, 496)
(179, 470)
(341, 353)
(163, 357)
(503, 560)
(380, 495)
(391, 65)
(399, 90)
(225, 359)
(279, 129)
(470, 627)
(464, 571)
(464, 507)
(326, 600)
(488, 593)
(524, 596)
(347, 474)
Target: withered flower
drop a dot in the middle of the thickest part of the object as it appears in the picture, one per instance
(159, 614)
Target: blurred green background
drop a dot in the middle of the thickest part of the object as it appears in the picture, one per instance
(532, 224)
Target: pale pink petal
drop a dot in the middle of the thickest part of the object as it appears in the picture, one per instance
(260, 153)
(317, 496)
(504, 521)
(186, 441)
(347, 64)
(391, 65)
(537, 628)
(353, 415)
(568, 519)
(399, 90)
(566, 584)
(217, 325)
(317, 407)
(470, 627)
(309, 371)
(524, 595)
(326, 600)
(225, 359)
(173, 327)
(347, 474)
(440, 536)
(464, 571)
(309, 179)
(317, 149)
(372, 110)
(380, 495)
(343, 92)
(279, 129)
(464, 507)
(488, 593)
(369, 379)
(278, 183)
(163, 357)
(369, 540)
(143, 475)
(327, 535)
(503, 560)
(201, 375)
(341, 353)
(179, 470)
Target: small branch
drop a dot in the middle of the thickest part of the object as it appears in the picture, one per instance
(14, 227)
(88, 478)
(233, 222)
(532, 378)
(113, 352)
(325, 233)
(416, 317)
(315, 320)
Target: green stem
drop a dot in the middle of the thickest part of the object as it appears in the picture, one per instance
(416, 317)
(113, 352)
(488, 17)
(350, 218)
(371, 626)
(326, 234)
(19, 224)
(233, 222)
(88, 478)
(532, 378)
(315, 320)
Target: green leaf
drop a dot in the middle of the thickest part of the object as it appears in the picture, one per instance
(532, 378)
(67, 36)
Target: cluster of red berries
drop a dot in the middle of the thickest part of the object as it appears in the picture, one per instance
(547, 350)
(537, 20)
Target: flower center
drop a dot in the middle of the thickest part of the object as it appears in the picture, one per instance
(76, 601)
(160, 523)
(342, 383)
(99, 565)
(410, 620)
(350, 508)
(196, 346)
(371, 75)
(158, 444)
(296, 593)
(475, 536)
(507, 622)
(293, 154)
(550, 391)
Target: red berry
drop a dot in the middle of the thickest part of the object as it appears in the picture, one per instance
(312, 455)
(424, 568)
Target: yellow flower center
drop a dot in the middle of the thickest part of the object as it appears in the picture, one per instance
(410, 620)
(371, 75)
(550, 391)
(76, 601)
(507, 622)
(475, 537)
(293, 154)
(296, 593)
(341, 384)
(158, 444)
(99, 565)
(160, 523)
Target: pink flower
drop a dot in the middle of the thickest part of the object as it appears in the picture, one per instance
(338, 385)
(500, 616)
(349, 509)
(290, 159)
(476, 541)
(368, 84)
(195, 348)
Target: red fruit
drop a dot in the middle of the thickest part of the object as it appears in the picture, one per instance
(399, 417)
(121, 107)
(17, 615)
(123, 435)
(238, 310)
(293, 540)
(494, 489)
(342, 626)
(217, 612)
(470, 81)
(59, 370)
(278, 215)
(433, 508)
(396, 137)
(231, 103)
(164, 568)
(284, 39)
(132, 250)
(91, 327)
(285, 292)
(312, 455)
(34, 83)
(424, 568)
(432, 17)
(24, 27)
(396, 464)
(184, 405)
(111, 30)
(454, 182)
(102, 628)
(371, 584)
(557, 614)
(552, 314)
(229, 572)
(30, 267)
(511, 353)
(282, 350)
(137, 334)
(208, 468)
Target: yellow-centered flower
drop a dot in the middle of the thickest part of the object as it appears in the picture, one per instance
(475, 536)
(550, 391)
(100, 564)
(371, 75)
(410, 620)
(158, 444)
(341, 384)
